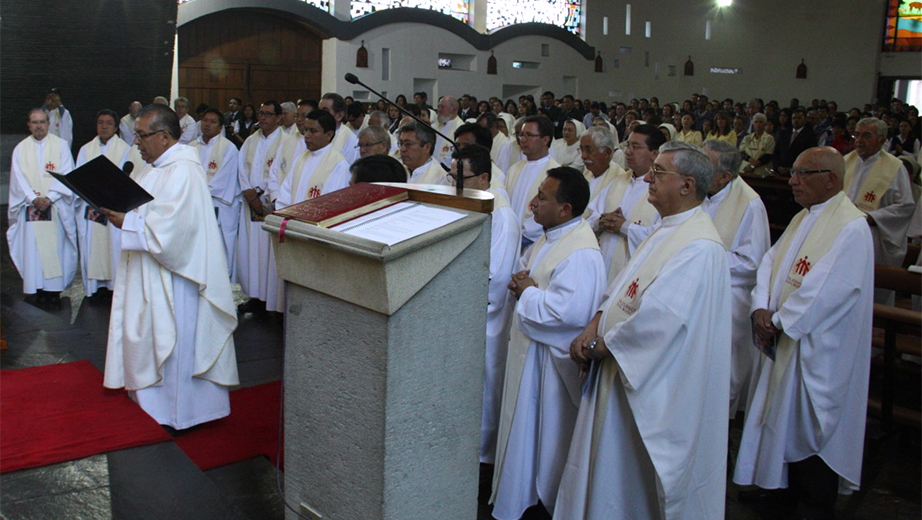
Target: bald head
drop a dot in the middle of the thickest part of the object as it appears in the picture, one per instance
(817, 175)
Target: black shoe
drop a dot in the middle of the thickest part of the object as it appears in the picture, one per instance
(252, 305)
(53, 299)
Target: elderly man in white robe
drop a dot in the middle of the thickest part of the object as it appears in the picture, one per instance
(510, 152)
(171, 342)
(448, 122)
(318, 170)
(740, 217)
(41, 234)
(622, 213)
(289, 118)
(877, 184)
(504, 249)
(812, 311)
(292, 147)
(255, 259)
(651, 438)
(99, 241)
(566, 149)
(558, 287)
(190, 128)
(596, 146)
(126, 124)
(415, 143)
(345, 141)
(525, 177)
(218, 157)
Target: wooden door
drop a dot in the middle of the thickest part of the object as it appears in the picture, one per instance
(252, 55)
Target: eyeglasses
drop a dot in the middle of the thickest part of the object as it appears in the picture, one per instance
(801, 173)
(406, 144)
(365, 146)
(265, 113)
(523, 135)
(658, 174)
(140, 136)
(453, 179)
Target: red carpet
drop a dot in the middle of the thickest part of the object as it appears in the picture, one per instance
(250, 430)
(57, 413)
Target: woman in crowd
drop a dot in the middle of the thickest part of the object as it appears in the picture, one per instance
(247, 124)
(904, 142)
(566, 149)
(688, 134)
(511, 108)
(842, 139)
(401, 100)
(483, 107)
(739, 126)
(784, 120)
(757, 148)
(722, 129)
(668, 130)
(393, 114)
(497, 106)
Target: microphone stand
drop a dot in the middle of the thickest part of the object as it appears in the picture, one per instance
(459, 175)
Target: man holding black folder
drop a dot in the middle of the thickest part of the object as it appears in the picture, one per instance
(41, 234)
(171, 341)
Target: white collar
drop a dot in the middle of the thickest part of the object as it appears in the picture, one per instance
(720, 195)
(163, 157)
(321, 151)
(424, 165)
(869, 159)
(561, 229)
(540, 161)
(678, 218)
(818, 208)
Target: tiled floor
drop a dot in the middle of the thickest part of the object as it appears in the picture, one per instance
(160, 482)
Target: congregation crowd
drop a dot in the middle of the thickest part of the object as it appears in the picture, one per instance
(636, 301)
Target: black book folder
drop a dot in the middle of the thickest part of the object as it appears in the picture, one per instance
(103, 185)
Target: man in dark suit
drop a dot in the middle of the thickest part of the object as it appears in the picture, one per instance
(236, 111)
(467, 111)
(792, 142)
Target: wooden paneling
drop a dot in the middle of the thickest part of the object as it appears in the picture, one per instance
(252, 55)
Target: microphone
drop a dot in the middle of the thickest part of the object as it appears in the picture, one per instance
(128, 167)
(459, 177)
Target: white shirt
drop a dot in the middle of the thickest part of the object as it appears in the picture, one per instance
(530, 229)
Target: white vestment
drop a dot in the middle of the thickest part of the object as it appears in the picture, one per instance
(336, 178)
(567, 154)
(190, 130)
(523, 186)
(221, 173)
(744, 255)
(98, 272)
(291, 148)
(345, 142)
(431, 172)
(660, 442)
(529, 468)
(126, 129)
(255, 258)
(499, 140)
(505, 240)
(61, 125)
(45, 253)
(509, 154)
(442, 149)
(819, 405)
(171, 340)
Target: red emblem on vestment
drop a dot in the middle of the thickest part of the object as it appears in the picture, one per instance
(802, 267)
(313, 193)
(870, 196)
(49, 166)
(632, 289)
(269, 162)
(213, 165)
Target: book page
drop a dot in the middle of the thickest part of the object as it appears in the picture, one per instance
(402, 221)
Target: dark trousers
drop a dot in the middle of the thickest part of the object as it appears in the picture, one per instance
(815, 487)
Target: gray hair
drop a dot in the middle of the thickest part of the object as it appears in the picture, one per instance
(378, 134)
(881, 126)
(424, 134)
(288, 105)
(181, 100)
(382, 117)
(728, 157)
(760, 117)
(601, 137)
(163, 119)
(42, 110)
(693, 162)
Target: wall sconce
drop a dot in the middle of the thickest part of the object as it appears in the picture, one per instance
(491, 64)
(689, 67)
(361, 57)
(801, 70)
(598, 62)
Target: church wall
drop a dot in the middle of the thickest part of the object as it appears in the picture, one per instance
(101, 54)
(766, 40)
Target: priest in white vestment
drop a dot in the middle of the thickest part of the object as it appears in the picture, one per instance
(171, 342)
(621, 213)
(812, 311)
(318, 170)
(524, 177)
(41, 234)
(289, 118)
(292, 146)
(448, 122)
(511, 152)
(255, 258)
(558, 287)
(218, 157)
(126, 124)
(61, 124)
(415, 143)
(345, 141)
(651, 438)
(99, 241)
(190, 128)
(504, 251)
(493, 123)
(877, 183)
(596, 145)
(566, 149)
(742, 222)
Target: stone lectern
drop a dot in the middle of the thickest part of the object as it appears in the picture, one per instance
(384, 355)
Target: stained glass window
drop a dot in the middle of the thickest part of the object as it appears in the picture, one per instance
(459, 9)
(904, 26)
(563, 13)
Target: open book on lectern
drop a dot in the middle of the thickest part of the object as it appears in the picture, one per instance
(103, 185)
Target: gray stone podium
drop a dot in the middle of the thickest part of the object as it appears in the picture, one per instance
(384, 354)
